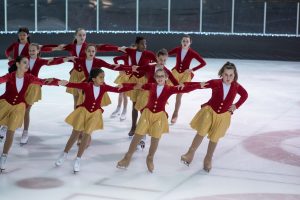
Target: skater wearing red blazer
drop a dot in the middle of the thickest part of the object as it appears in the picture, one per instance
(214, 117)
(154, 117)
(122, 78)
(139, 57)
(34, 91)
(182, 70)
(13, 103)
(87, 117)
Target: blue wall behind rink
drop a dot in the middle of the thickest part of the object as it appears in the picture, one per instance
(229, 46)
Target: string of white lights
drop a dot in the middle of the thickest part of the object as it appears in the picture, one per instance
(163, 33)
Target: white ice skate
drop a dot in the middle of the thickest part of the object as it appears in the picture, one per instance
(24, 138)
(61, 159)
(3, 159)
(123, 116)
(116, 113)
(76, 167)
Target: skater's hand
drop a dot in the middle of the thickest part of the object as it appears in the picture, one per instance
(116, 66)
(59, 47)
(120, 87)
(232, 108)
(63, 82)
(180, 87)
(138, 86)
(134, 68)
(48, 80)
(70, 58)
(10, 58)
(122, 49)
(188, 71)
(203, 84)
(49, 61)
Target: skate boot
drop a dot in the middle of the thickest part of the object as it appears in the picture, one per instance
(116, 113)
(61, 159)
(123, 115)
(76, 167)
(188, 157)
(149, 162)
(24, 138)
(3, 159)
(124, 163)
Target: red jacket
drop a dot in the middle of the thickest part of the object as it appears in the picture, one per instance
(146, 58)
(92, 104)
(150, 72)
(25, 52)
(125, 59)
(39, 62)
(155, 104)
(11, 95)
(216, 101)
(181, 66)
(80, 65)
(71, 48)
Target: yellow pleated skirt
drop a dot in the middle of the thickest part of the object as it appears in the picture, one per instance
(155, 124)
(105, 99)
(134, 94)
(84, 121)
(121, 78)
(33, 94)
(208, 122)
(11, 116)
(182, 77)
(76, 77)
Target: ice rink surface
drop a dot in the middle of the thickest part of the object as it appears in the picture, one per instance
(259, 157)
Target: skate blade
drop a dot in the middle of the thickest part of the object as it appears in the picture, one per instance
(121, 167)
(185, 163)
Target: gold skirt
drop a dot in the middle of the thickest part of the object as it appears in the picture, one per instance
(133, 94)
(182, 77)
(33, 94)
(12, 116)
(84, 121)
(104, 102)
(122, 78)
(76, 77)
(155, 124)
(207, 121)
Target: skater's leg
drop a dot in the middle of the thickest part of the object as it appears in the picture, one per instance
(125, 102)
(117, 111)
(188, 157)
(152, 150)
(25, 137)
(73, 138)
(8, 141)
(134, 120)
(132, 147)
(207, 164)
(177, 106)
(84, 142)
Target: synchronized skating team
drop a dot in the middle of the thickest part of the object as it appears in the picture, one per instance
(143, 77)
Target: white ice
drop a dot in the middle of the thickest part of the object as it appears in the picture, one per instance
(273, 106)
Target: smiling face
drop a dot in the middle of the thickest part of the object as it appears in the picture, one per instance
(228, 76)
(90, 52)
(80, 37)
(33, 51)
(23, 37)
(160, 77)
(23, 65)
(186, 42)
(99, 80)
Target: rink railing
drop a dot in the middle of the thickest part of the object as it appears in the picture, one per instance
(98, 30)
